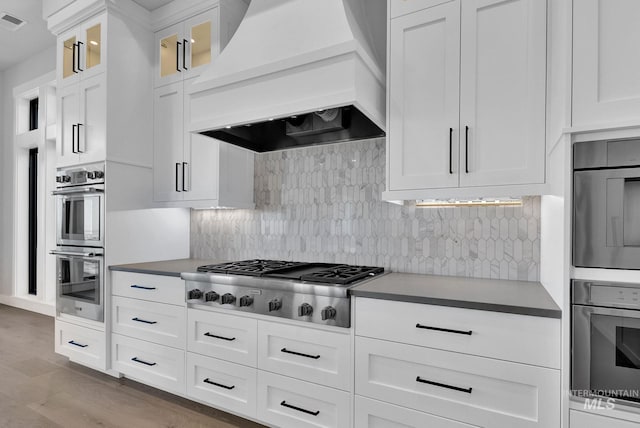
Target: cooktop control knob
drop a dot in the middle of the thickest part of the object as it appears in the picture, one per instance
(59, 179)
(275, 305)
(305, 310)
(66, 179)
(228, 298)
(98, 174)
(246, 301)
(328, 313)
(211, 296)
(91, 175)
(195, 294)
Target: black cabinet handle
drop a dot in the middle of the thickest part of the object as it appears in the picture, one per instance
(210, 382)
(184, 167)
(144, 321)
(466, 149)
(141, 287)
(78, 138)
(285, 350)
(443, 385)
(73, 137)
(146, 363)
(184, 53)
(73, 58)
(79, 50)
(229, 339)
(177, 175)
(74, 343)
(446, 330)
(300, 409)
(178, 56)
(450, 150)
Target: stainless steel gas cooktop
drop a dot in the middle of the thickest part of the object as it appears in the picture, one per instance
(310, 292)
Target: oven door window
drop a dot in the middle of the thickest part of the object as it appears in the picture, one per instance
(79, 280)
(80, 217)
(615, 356)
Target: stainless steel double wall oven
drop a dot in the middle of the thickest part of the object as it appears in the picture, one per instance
(80, 216)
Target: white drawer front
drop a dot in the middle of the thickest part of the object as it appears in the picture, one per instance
(304, 353)
(82, 345)
(222, 384)
(376, 414)
(579, 419)
(223, 336)
(155, 322)
(291, 403)
(156, 288)
(155, 365)
(471, 389)
(511, 337)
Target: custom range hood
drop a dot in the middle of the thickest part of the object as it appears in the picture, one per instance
(296, 73)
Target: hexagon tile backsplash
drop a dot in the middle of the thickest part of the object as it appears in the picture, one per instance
(323, 204)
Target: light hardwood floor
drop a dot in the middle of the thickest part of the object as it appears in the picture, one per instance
(39, 388)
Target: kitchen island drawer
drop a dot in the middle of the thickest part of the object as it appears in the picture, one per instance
(156, 288)
(520, 338)
(222, 384)
(305, 353)
(156, 322)
(155, 365)
(289, 403)
(81, 344)
(476, 390)
(376, 414)
(223, 336)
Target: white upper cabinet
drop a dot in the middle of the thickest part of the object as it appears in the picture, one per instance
(184, 48)
(81, 51)
(466, 97)
(606, 66)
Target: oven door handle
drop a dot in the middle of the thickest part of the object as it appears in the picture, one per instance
(77, 190)
(71, 254)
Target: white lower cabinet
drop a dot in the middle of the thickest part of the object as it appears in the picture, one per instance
(290, 403)
(377, 414)
(476, 390)
(156, 288)
(81, 344)
(156, 322)
(228, 337)
(155, 365)
(222, 384)
(318, 356)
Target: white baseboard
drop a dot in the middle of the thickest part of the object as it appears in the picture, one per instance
(29, 304)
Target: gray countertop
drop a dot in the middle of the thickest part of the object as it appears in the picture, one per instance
(517, 297)
(165, 267)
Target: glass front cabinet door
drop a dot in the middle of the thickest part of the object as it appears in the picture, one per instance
(81, 51)
(185, 48)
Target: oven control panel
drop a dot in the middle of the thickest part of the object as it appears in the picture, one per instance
(78, 176)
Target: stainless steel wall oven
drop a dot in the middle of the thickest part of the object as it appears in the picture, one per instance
(80, 241)
(605, 351)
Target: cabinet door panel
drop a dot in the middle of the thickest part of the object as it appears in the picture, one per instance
(502, 92)
(93, 119)
(606, 87)
(203, 44)
(168, 142)
(168, 51)
(93, 47)
(68, 116)
(423, 104)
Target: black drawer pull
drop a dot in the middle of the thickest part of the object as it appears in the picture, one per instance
(144, 321)
(300, 409)
(210, 382)
(444, 385)
(446, 330)
(74, 343)
(220, 337)
(137, 360)
(141, 287)
(315, 357)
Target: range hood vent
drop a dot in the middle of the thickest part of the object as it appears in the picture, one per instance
(296, 73)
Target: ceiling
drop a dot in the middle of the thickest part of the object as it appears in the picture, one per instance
(33, 37)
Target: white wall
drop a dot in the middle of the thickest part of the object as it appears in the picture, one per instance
(39, 64)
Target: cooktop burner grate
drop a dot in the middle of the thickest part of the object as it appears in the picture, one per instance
(254, 267)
